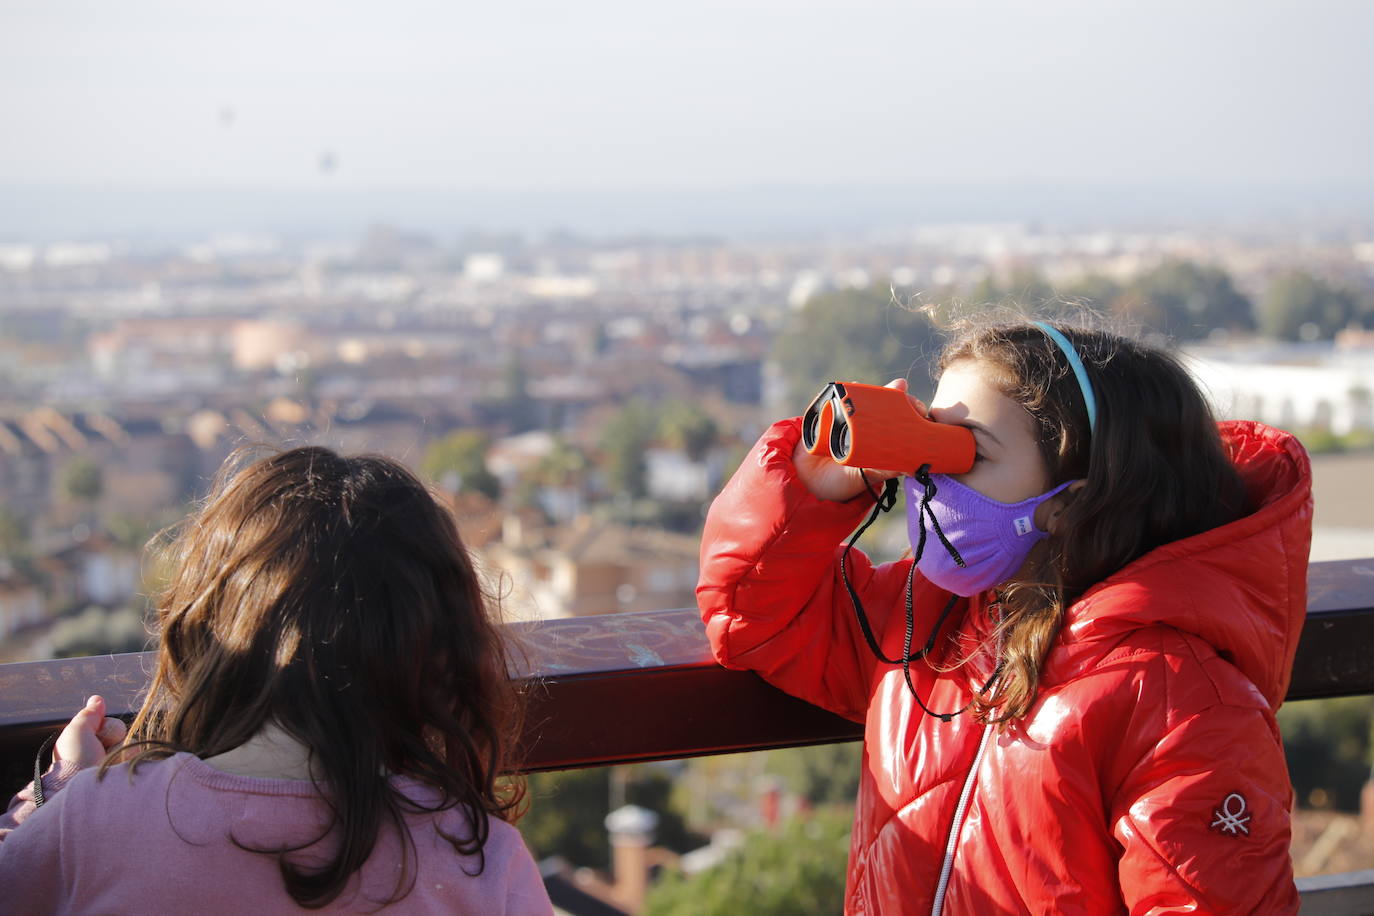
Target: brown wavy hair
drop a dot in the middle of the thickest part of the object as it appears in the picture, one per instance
(1155, 471)
(333, 597)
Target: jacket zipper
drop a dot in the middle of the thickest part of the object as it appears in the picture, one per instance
(954, 829)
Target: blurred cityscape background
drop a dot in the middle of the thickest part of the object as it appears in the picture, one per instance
(567, 263)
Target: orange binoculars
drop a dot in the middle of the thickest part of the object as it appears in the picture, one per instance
(869, 426)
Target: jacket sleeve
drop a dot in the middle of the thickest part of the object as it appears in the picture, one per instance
(770, 591)
(1204, 819)
(22, 805)
(30, 854)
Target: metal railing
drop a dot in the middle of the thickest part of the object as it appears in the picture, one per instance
(621, 688)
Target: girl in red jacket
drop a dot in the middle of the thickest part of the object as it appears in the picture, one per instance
(1069, 694)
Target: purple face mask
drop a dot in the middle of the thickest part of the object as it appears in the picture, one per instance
(992, 538)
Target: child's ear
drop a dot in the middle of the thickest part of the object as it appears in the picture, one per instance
(1059, 502)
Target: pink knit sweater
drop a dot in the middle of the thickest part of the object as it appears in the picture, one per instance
(163, 842)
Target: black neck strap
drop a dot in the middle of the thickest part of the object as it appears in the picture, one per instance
(882, 502)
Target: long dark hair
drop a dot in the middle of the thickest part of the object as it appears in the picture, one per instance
(333, 598)
(1155, 470)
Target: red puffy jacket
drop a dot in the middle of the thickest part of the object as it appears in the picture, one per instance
(1148, 776)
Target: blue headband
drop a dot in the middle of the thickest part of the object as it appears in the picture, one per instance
(1076, 364)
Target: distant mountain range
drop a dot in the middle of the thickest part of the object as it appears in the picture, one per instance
(30, 213)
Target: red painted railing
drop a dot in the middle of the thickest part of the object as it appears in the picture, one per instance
(625, 687)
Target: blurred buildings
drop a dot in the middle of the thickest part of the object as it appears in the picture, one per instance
(131, 370)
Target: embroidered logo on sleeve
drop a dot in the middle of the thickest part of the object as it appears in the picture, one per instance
(1232, 816)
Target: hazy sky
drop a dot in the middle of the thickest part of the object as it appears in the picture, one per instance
(593, 94)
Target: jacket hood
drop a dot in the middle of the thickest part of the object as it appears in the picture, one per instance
(1242, 587)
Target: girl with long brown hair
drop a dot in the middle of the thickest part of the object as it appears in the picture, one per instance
(1069, 689)
(326, 727)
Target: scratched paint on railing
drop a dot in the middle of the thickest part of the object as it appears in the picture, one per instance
(1338, 585)
(643, 656)
(612, 642)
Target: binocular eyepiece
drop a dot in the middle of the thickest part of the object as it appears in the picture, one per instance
(870, 426)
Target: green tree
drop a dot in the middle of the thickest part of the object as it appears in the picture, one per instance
(1300, 306)
(97, 631)
(460, 460)
(567, 812)
(797, 870)
(1184, 300)
(652, 786)
(14, 533)
(823, 774)
(135, 531)
(686, 425)
(601, 339)
(82, 480)
(521, 411)
(564, 466)
(856, 335)
(566, 816)
(626, 435)
(1025, 287)
(1330, 747)
(1093, 290)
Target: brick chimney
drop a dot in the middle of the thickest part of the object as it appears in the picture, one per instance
(632, 833)
(770, 802)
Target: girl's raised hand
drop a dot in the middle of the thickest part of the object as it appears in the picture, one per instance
(828, 480)
(89, 736)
